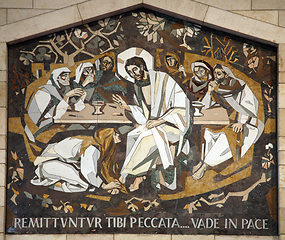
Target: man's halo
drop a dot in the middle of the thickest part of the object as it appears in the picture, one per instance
(129, 53)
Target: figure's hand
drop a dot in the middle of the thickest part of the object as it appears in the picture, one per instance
(75, 92)
(120, 102)
(88, 79)
(154, 123)
(83, 96)
(212, 85)
(237, 127)
(182, 69)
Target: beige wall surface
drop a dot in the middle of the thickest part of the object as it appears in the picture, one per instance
(262, 20)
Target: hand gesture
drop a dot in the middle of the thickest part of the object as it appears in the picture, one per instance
(120, 102)
(88, 79)
(75, 92)
(182, 70)
(83, 96)
(212, 85)
(154, 123)
(237, 127)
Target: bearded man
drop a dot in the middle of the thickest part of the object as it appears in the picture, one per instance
(161, 112)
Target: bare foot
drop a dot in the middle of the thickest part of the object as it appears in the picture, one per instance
(115, 191)
(111, 185)
(136, 184)
(199, 171)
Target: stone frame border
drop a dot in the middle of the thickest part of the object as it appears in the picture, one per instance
(202, 14)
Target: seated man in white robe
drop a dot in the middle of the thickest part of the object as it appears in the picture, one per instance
(50, 102)
(232, 141)
(161, 112)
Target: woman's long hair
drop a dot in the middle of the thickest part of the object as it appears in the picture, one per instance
(103, 140)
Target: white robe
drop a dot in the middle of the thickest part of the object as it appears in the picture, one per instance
(168, 102)
(60, 162)
(42, 108)
(216, 147)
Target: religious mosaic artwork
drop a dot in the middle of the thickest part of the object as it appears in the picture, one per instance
(142, 123)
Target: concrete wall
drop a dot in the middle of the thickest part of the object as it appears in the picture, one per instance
(24, 19)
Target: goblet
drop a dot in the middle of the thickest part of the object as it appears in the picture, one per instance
(98, 107)
(198, 107)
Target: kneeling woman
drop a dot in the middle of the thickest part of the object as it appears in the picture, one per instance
(62, 165)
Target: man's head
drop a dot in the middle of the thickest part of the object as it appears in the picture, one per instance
(87, 71)
(136, 68)
(85, 74)
(107, 63)
(63, 78)
(219, 73)
(171, 61)
(202, 70)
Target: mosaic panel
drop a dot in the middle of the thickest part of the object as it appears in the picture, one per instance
(142, 123)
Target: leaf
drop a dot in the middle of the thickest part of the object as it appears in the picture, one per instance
(101, 23)
(26, 58)
(57, 208)
(143, 14)
(83, 205)
(101, 43)
(28, 195)
(14, 155)
(134, 14)
(70, 208)
(77, 33)
(149, 37)
(155, 37)
(106, 21)
(152, 17)
(116, 42)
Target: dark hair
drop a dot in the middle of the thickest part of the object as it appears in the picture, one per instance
(112, 61)
(219, 66)
(137, 61)
(170, 56)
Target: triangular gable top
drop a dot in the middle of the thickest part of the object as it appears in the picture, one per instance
(185, 9)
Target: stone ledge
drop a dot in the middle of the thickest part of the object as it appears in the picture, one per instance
(36, 237)
(235, 23)
(88, 236)
(90, 11)
(272, 4)
(2, 155)
(55, 4)
(264, 16)
(281, 57)
(228, 4)
(3, 120)
(142, 237)
(87, 11)
(246, 237)
(3, 171)
(281, 174)
(39, 25)
(281, 77)
(183, 9)
(281, 157)
(281, 96)
(16, 3)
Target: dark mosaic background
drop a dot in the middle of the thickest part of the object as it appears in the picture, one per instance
(250, 198)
